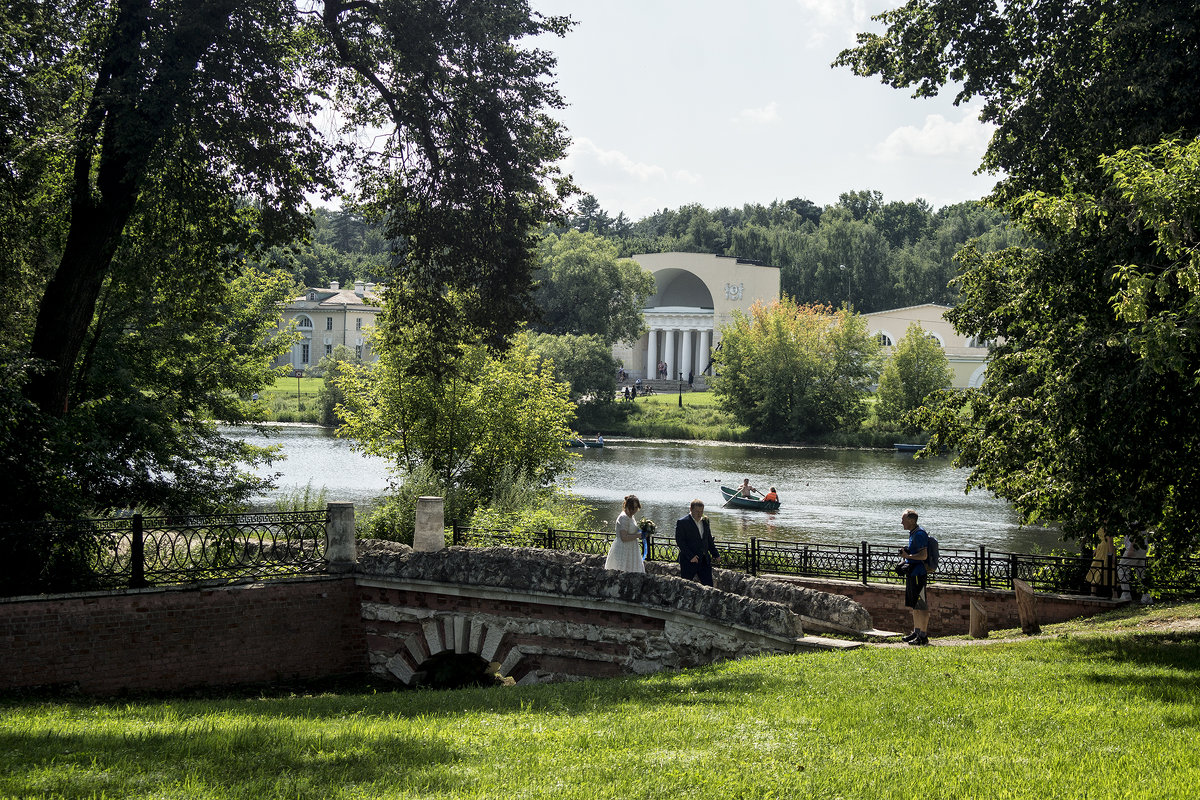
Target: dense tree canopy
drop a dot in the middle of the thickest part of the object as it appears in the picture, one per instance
(788, 371)
(1088, 411)
(151, 147)
(917, 368)
(585, 289)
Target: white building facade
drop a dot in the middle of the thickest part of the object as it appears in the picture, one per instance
(326, 318)
(696, 295)
(967, 356)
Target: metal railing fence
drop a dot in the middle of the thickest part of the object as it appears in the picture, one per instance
(136, 551)
(876, 563)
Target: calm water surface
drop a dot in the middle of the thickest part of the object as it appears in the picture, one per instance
(827, 496)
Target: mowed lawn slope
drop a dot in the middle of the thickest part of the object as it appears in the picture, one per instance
(1077, 714)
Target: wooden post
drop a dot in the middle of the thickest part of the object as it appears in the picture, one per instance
(979, 620)
(1026, 608)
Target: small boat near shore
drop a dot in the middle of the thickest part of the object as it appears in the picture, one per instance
(584, 443)
(734, 499)
(908, 448)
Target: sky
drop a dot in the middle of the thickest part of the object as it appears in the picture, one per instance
(728, 102)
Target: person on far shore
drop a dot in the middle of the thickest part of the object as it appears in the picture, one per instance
(626, 551)
(915, 577)
(697, 550)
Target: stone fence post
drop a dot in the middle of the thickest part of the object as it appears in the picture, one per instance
(430, 534)
(340, 552)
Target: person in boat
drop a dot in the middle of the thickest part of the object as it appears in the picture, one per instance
(599, 439)
(746, 490)
(626, 551)
(771, 496)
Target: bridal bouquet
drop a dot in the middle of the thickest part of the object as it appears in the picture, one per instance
(647, 526)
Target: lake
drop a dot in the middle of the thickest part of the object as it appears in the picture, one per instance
(827, 496)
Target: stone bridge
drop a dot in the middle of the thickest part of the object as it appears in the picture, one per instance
(532, 615)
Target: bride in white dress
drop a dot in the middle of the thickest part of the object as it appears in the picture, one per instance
(626, 551)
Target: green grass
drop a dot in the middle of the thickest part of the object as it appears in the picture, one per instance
(1110, 715)
(285, 405)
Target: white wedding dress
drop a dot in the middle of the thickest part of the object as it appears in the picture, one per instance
(625, 556)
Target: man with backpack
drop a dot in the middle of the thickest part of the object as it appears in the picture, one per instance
(915, 577)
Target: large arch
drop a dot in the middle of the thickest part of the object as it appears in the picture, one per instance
(680, 288)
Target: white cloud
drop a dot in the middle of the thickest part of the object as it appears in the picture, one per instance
(686, 176)
(937, 137)
(836, 12)
(584, 151)
(758, 116)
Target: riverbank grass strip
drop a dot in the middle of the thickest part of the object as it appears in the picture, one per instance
(1097, 716)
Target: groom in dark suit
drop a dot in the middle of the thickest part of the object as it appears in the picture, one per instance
(697, 550)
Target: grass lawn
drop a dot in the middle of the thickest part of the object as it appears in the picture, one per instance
(287, 404)
(1073, 715)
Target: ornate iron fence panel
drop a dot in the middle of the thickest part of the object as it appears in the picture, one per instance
(593, 542)
(132, 551)
(496, 537)
(239, 546)
(804, 559)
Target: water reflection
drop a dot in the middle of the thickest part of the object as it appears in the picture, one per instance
(827, 496)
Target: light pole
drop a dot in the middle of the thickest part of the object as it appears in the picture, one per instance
(846, 282)
(681, 388)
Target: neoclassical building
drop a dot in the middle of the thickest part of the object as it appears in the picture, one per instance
(696, 295)
(326, 318)
(967, 356)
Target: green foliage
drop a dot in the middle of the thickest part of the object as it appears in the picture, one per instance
(585, 289)
(481, 416)
(788, 371)
(152, 147)
(916, 369)
(395, 517)
(1088, 412)
(1064, 82)
(585, 363)
(330, 397)
(522, 506)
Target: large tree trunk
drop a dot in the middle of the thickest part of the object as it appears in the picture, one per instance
(70, 299)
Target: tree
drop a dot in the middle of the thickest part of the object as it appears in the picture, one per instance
(585, 363)
(789, 371)
(330, 396)
(1063, 81)
(1088, 411)
(482, 416)
(585, 289)
(916, 369)
(135, 124)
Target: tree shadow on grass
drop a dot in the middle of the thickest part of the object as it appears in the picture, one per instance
(243, 760)
(1173, 658)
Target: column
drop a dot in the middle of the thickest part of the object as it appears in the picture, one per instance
(651, 353)
(686, 363)
(340, 551)
(705, 348)
(669, 353)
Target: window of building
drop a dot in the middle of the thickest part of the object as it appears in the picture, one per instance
(884, 339)
(303, 322)
(358, 351)
(358, 323)
(328, 349)
(304, 354)
(329, 323)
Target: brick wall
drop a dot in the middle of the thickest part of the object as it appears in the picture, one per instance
(176, 639)
(949, 606)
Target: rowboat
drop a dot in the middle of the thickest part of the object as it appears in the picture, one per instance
(907, 448)
(584, 443)
(737, 501)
